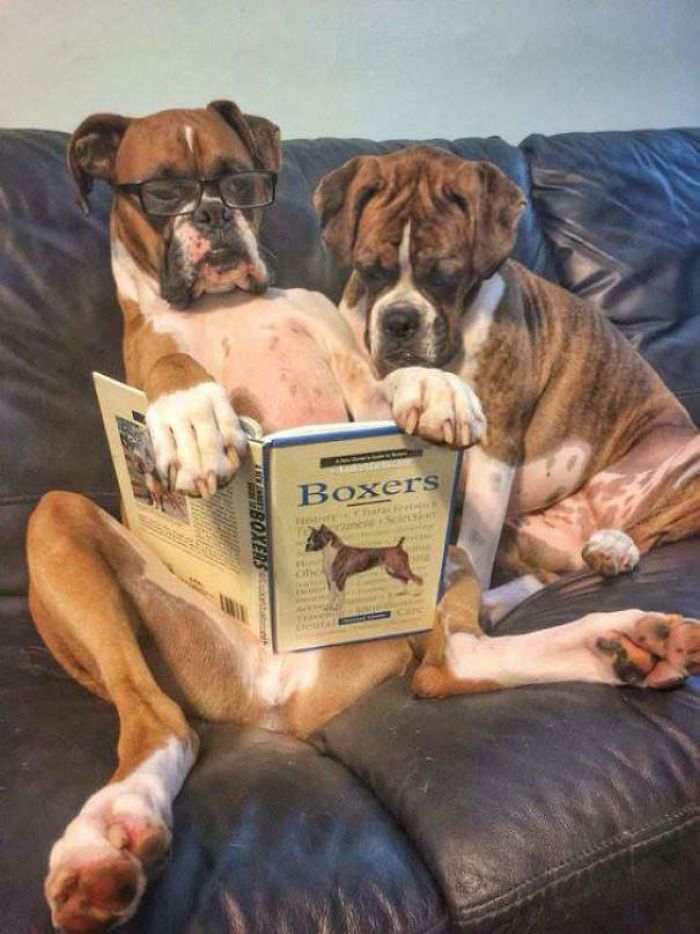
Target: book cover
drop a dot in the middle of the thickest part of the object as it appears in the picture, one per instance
(326, 535)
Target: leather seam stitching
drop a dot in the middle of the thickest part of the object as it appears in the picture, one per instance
(484, 910)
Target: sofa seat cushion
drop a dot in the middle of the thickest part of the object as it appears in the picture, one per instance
(578, 804)
(574, 803)
(622, 213)
(269, 835)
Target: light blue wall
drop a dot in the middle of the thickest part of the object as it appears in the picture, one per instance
(375, 68)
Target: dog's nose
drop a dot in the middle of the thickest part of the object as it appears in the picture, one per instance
(211, 212)
(401, 321)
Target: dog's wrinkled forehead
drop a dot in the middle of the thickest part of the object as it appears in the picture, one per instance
(462, 214)
(127, 149)
(184, 142)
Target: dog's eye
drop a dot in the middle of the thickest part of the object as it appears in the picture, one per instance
(461, 202)
(376, 274)
(441, 279)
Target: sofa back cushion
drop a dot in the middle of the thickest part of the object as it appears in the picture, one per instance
(59, 320)
(622, 214)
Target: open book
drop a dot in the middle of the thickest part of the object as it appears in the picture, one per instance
(326, 534)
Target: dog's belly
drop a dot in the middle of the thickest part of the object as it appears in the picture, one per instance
(545, 480)
(263, 350)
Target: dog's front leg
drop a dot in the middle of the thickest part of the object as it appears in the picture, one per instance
(197, 439)
(487, 489)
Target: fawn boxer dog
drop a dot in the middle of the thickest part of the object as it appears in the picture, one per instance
(588, 457)
(189, 188)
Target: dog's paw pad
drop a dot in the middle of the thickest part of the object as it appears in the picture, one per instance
(96, 892)
(658, 650)
(610, 552)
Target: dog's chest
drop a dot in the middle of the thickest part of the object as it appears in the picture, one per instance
(263, 351)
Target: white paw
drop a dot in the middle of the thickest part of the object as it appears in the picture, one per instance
(610, 552)
(98, 869)
(461, 654)
(198, 441)
(437, 406)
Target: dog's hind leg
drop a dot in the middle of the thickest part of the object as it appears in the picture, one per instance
(675, 517)
(625, 647)
(91, 592)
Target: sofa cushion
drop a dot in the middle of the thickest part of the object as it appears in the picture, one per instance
(622, 214)
(269, 835)
(565, 808)
(59, 320)
(557, 808)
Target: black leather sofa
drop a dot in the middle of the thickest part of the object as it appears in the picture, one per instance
(567, 808)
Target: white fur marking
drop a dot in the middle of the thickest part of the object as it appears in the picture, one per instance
(189, 137)
(477, 320)
(442, 401)
(251, 244)
(144, 796)
(284, 675)
(192, 430)
(499, 601)
(406, 292)
(614, 545)
(563, 653)
(486, 498)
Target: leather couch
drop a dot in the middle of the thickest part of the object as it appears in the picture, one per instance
(565, 808)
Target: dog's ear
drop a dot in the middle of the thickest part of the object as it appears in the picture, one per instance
(340, 199)
(268, 146)
(92, 150)
(498, 203)
(261, 136)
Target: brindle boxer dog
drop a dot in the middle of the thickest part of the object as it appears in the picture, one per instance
(189, 188)
(588, 457)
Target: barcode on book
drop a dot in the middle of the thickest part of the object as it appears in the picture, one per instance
(233, 608)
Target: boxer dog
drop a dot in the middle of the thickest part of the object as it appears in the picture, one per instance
(190, 186)
(341, 561)
(588, 458)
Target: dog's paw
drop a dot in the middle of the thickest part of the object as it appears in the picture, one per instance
(197, 439)
(610, 552)
(657, 650)
(434, 405)
(99, 868)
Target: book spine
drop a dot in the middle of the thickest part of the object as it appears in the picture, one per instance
(257, 513)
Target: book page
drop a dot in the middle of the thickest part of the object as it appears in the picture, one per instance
(358, 528)
(217, 545)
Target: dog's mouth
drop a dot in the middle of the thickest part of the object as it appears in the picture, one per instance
(198, 263)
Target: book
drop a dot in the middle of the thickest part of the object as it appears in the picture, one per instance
(327, 534)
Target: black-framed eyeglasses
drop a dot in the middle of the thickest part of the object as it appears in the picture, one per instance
(167, 197)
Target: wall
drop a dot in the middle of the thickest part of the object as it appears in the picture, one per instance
(375, 68)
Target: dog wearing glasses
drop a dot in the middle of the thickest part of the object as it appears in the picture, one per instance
(189, 189)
